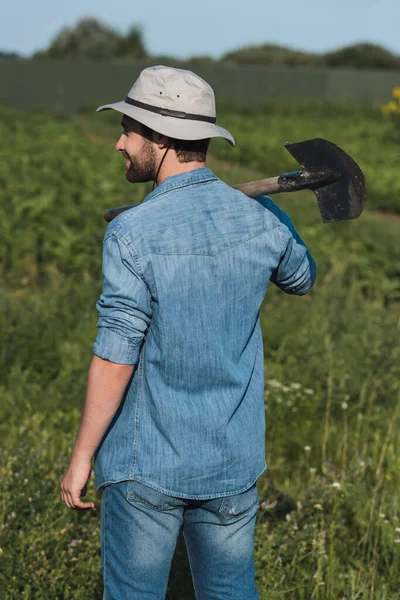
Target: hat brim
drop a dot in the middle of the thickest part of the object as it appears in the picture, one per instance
(180, 129)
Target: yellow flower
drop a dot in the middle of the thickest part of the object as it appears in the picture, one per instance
(392, 108)
(396, 92)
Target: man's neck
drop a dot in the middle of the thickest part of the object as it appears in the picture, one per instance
(177, 168)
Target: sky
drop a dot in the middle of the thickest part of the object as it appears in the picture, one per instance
(183, 28)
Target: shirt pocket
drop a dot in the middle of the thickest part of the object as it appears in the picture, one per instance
(233, 506)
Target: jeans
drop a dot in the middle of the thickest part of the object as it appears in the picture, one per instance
(139, 531)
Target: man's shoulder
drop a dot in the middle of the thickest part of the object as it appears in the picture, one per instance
(190, 218)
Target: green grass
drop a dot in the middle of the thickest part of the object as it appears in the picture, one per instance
(330, 500)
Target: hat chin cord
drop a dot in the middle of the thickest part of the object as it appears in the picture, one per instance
(161, 162)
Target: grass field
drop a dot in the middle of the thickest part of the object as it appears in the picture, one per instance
(329, 521)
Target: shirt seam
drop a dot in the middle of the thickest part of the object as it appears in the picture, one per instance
(208, 253)
(132, 251)
(181, 186)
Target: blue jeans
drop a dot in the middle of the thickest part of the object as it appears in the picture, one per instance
(139, 531)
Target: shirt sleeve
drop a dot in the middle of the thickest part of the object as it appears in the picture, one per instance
(296, 271)
(124, 307)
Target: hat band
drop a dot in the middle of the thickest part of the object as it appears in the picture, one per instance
(166, 112)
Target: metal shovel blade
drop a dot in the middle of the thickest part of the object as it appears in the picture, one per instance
(343, 198)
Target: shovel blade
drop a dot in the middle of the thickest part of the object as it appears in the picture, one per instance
(340, 200)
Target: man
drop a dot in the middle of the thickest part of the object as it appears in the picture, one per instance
(174, 410)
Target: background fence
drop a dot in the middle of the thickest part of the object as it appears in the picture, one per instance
(63, 86)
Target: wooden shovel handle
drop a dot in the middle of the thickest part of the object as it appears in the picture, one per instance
(253, 189)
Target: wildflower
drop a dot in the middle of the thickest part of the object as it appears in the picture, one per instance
(17, 475)
(274, 383)
(313, 470)
(397, 529)
(307, 448)
(285, 389)
(13, 515)
(361, 463)
(396, 93)
(344, 405)
(397, 541)
(308, 391)
(318, 506)
(390, 108)
(295, 386)
(336, 484)
(382, 516)
(268, 505)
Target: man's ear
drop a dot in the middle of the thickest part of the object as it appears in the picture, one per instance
(160, 140)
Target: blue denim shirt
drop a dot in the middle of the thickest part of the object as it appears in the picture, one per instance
(185, 274)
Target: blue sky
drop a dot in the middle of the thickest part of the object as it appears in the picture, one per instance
(185, 28)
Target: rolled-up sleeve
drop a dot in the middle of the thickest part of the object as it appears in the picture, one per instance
(124, 306)
(296, 272)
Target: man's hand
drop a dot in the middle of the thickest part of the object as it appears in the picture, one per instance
(73, 485)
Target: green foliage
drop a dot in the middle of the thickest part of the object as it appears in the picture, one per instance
(131, 45)
(55, 187)
(356, 56)
(329, 521)
(271, 54)
(359, 130)
(362, 56)
(92, 39)
(8, 55)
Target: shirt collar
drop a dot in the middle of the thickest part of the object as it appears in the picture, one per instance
(173, 182)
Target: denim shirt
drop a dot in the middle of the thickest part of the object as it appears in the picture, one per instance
(185, 274)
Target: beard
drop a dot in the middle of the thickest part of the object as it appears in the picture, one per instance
(143, 166)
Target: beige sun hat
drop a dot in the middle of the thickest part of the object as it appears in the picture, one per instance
(174, 102)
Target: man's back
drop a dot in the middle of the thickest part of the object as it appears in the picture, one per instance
(174, 408)
(193, 263)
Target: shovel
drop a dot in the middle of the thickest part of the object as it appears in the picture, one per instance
(333, 176)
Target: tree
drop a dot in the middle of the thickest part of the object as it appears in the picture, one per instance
(363, 56)
(357, 56)
(8, 55)
(131, 45)
(270, 54)
(91, 39)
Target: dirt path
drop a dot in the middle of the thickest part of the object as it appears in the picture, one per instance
(386, 216)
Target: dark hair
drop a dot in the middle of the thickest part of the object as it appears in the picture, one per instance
(191, 150)
(186, 150)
